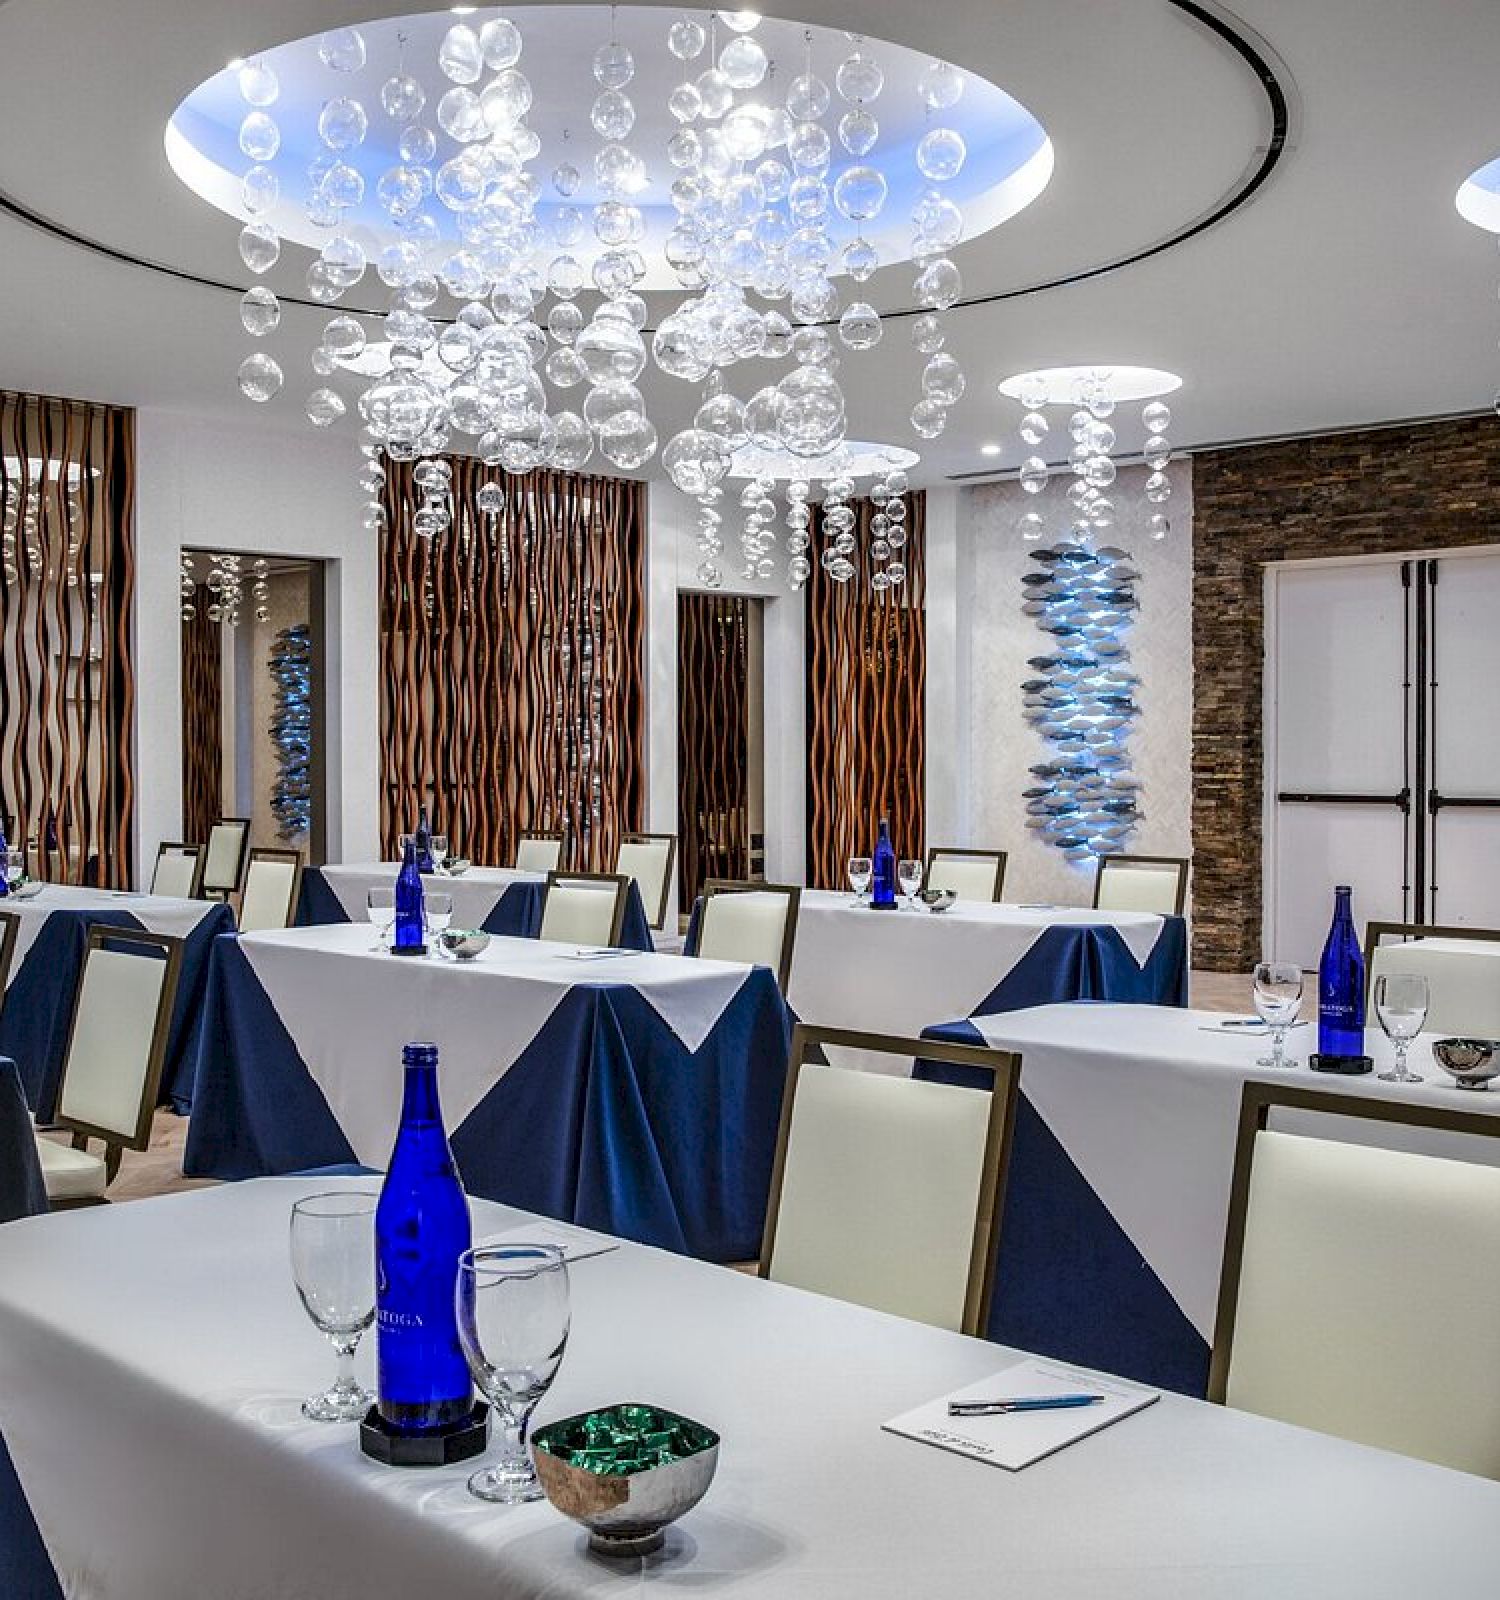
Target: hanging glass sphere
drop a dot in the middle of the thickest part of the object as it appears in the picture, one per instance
(260, 189)
(860, 78)
(858, 131)
(686, 39)
(260, 138)
(632, 445)
(939, 284)
(260, 311)
(614, 66)
(695, 460)
(258, 84)
(500, 43)
(1032, 525)
(1157, 452)
(740, 21)
(1156, 417)
(859, 193)
(810, 411)
(417, 145)
(860, 327)
(1034, 427)
(460, 58)
(1033, 475)
(342, 123)
(1158, 488)
(324, 407)
(505, 99)
(260, 246)
(260, 377)
(402, 98)
(941, 86)
(1101, 403)
(943, 379)
(344, 338)
(342, 50)
(1099, 472)
(460, 115)
(743, 61)
(322, 362)
(612, 116)
(860, 259)
(1160, 527)
(929, 418)
(808, 98)
(940, 154)
(927, 334)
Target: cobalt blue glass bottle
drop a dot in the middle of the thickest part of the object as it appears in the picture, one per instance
(411, 912)
(422, 839)
(1341, 992)
(883, 871)
(421, 1229)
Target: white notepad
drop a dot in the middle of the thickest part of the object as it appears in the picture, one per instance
(576, 1244)
(1015, 1439)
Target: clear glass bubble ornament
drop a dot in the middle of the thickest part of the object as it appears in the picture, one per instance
(686, 39)
(459, 57)
(927, 334)
(939, 284)
(1100, 438)
(402, 98)
(715, 94)
(344, 337)
(632, 445)
(260, 246)
(342, 123)
(612, 115)
(417, 145)
(685, 103)
(614, 66)
(566, 178)
(505, 99)
(1157, 452)
(1033, 475)
(342, 50)
(1160, 527)
(260, 189)
(501, 43)
(811, 411)
(324, 407)
(858, 131)
(807, 98)
(859, 193)
(1156, 417)
(460, 115)
(258, 84)
(1101, 404)
(1031, 525)
(810, 146)
(1099, 472)
(744, 62)
(929, 418)
(860, 327)
(260, 311)
(564, 368)
(860, 78)
(260, 138)
(1158, 488)
(860, 259)
(941, 86)
(260, 377)
(940, 154)
(943, 379)
(1034, 427)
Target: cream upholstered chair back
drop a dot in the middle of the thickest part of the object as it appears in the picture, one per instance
(750, 922)
(1352, 1272)
(224, 861)
(970, 874)
(887, 1191)
(272, 881)
(179, 871)
(584, 907)
(1462, 968)
(1141, 883)
(118, 1038)
(539, 852)
(647, 858)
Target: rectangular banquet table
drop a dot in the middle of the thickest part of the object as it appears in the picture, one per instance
(636, 1093)
(191, 1476)
(501, 900)
(1113, 1231)
(49, 953)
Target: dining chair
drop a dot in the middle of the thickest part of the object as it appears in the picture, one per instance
(273, 880)
(1141, 883)
(178, 871)
(970, 874)
(539, 852)
(224, 863)
(1461, 965)
(754, 922)
(584, 907)
(1354, 1273)
(112, 1068)
(22, 1191)
(888, 1191)
(648, 858)
(10, 928)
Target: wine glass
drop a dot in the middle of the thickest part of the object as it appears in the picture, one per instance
(15, 867)
(333, 1266)
(439, 851)
(439, 908)
(909, 876)
(513, 1319)
(1401, 1004)
(1278, 999)
(860, 870)
(380, 908)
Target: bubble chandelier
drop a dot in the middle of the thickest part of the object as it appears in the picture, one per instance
(516, 325)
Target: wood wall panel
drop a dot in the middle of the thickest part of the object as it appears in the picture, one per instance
(512, 648)
(712, 734)
(67, 588)
(866, 696)
(202, 721)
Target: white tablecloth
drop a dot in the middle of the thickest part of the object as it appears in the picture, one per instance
(897, 972)
(343, 1003)
(475, 894)
(153, 1354)
(1145, 1101)
(155, 912)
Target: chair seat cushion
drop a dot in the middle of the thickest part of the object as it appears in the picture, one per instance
(70, 1174)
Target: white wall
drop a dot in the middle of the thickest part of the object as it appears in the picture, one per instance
(209, 483)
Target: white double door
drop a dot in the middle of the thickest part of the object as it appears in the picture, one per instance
(1382, 744)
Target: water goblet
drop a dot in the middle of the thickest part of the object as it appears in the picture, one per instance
(513, 1320)
(333, 1267)
(860, 870)
(909, 876)
(1278, 999)
(15, 867)
(1401, 1000)
(439, 851)
(380, 908)
(439, 908)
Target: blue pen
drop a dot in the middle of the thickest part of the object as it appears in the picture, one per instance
(1036, 1402)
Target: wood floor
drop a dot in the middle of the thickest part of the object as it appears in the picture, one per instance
(159, 1169)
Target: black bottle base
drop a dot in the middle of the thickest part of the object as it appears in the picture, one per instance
(464, 1439)
(1346, 1066)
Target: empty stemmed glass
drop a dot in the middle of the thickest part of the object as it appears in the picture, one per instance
(513, 1320)
(380, 908)
(909, 876)
(333, 1266)
(439, 908)
(1401, 1004)
(439, 845)
(1278, 999)
(860, 870)
(15, 867)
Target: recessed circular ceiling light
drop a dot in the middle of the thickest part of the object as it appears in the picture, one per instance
(989, 449)
(1065, 386)
(1478, 197)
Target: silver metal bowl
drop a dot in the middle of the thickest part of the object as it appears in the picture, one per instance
(625, 1472)
(937, 899)
(458, 866)
(1471, 1063)
(465, 943)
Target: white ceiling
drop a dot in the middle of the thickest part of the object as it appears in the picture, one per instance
(1347, 292)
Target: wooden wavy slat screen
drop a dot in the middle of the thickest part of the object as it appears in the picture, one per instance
(67, 585)
(866, 693)
(202, 721)
(712, 730)
(512, 650)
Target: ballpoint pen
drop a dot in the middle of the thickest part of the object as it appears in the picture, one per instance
(1036, 1402)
